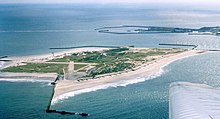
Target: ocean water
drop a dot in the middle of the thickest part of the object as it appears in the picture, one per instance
(33, 29)
(149, 99)
(24, 26)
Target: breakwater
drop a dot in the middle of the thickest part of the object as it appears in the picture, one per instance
(49, 110)
(2, 58)
(170, 44)
(90, 46)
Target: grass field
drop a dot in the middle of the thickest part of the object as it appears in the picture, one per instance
(115, 60)
(107, 61)
(41, 68)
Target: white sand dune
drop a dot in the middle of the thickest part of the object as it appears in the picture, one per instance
(194, 101)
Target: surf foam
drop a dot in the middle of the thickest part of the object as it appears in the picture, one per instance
(121, 83)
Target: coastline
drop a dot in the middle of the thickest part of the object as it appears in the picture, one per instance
(68, 88)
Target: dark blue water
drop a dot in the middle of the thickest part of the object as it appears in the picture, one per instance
(32, 29)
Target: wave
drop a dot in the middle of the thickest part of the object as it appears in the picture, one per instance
(121, 83)
(41, 31)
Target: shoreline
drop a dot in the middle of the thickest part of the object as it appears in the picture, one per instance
(68, 88)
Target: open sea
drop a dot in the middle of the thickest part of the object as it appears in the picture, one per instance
(27, 29)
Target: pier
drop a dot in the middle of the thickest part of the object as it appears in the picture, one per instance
(214, 50)
(181, 45)
(171, 44)
(5, 60)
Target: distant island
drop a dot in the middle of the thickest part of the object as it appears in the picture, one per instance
(134, 29)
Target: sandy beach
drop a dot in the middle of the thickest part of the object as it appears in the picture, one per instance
(66, 88)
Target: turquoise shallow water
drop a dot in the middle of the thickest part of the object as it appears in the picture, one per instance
(32, 29)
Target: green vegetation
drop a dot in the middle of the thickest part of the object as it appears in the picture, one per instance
(115, 60)
(79, 66)
(110, 67)
(41, 68)
(92, 57)
(108, 61)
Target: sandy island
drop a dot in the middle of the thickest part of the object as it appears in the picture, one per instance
(66, 88)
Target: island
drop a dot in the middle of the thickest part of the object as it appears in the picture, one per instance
(81, 70)
(135, 29)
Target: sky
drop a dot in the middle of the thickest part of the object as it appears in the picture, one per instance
(115, 1)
